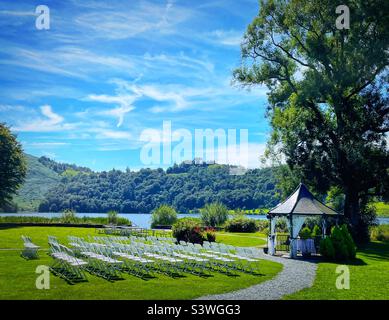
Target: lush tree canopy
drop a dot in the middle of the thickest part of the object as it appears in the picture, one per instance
(185, 187)
(328, 94)
(12, 165)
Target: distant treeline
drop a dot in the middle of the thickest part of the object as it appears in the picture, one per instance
(187, 187)
(61, 167)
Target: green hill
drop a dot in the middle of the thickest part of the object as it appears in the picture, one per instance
(40, 179)
(187, 187)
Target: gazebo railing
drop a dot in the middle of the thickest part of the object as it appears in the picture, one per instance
(283, 242)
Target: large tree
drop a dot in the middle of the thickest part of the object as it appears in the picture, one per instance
(328, 94)
(12, 165)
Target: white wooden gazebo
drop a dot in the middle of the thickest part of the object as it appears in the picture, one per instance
(297, 207)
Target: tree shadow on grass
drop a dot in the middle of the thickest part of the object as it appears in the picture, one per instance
(7, 226)
(318, 259)
(376, 250)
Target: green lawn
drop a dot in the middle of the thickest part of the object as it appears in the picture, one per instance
(17, 276)
(382, 209)
(369, 277)
(241, 239)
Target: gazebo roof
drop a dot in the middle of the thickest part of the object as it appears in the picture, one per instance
(302, 202)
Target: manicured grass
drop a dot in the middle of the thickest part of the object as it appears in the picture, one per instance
(17, 276)
(382, 209)
(369, 277)
(241, 239)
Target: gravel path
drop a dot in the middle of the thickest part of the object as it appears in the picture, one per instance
(296, 275)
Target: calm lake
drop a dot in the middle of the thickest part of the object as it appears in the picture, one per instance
(142, 220)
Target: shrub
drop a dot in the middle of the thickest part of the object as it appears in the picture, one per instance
(164, 215)
(214, 214)
(209, 235)
(188, 229)
(241, 224)
(327, 249)
(305, 233)
(342, 243)
(380, 233)
(262, 225)
(316, 232)
(68, 216)
(281, 225)
(112, 217)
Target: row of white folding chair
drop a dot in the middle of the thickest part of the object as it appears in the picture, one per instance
(99, 261)
(65, 263)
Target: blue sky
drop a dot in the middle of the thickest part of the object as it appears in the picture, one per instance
(84, 90)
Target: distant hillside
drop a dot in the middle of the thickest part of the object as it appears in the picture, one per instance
(61, 168)
(53, 186)
(39, 180)
(186, 186)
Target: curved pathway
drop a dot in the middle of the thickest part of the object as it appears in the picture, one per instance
(295, 276)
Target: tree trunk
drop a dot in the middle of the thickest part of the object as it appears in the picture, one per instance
(352, 212)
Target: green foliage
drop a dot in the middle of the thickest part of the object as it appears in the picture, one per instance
(316, 232)
(382, 209)
(282, 225)
(380, 233)
(68, 216)
(186, 187)
(12, 165)
(305, 233)
(343, 247)
(188, 229)
(39, 181)
(112, 217)
(262, 225)
(214, 214)
(329, 122)
(335, 199)
(164, 216)
(327, 249)
(209, 234)
(60, 168)
(55, 220)
(241, 224)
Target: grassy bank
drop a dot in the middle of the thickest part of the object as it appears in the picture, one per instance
(55, 220)
(17, 276)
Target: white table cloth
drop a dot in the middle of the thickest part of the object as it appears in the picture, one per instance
(306, 246)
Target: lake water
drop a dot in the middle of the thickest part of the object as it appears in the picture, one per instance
(142, 220)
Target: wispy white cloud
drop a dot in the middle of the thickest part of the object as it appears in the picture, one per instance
(47, 144)
(8, 107)
(65, 61)
(17, 13)
(111, 134)
(119, 112)
(50, 122)
(130, 21)
(225, 37)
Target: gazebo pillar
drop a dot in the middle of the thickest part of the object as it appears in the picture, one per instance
(271, 244)
(324, 226)
(292, 246)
